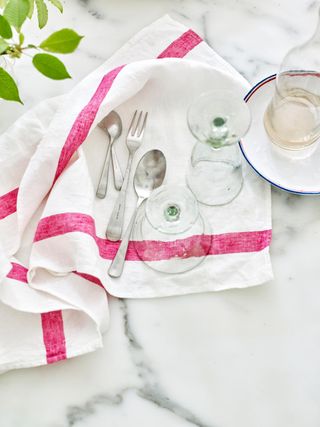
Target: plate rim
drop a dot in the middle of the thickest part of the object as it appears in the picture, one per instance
(254, 89)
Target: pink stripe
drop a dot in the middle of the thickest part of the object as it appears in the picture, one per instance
(18, 272)
(193, 246)
(8, 203)
(60, 224)
(182, 45)
(53, 336)
(52, 322)
(81, 126)
(245, 241)
(90, 278)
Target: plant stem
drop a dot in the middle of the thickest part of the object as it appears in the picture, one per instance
(15, 50)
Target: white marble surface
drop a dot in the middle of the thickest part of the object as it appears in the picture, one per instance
(247, 358)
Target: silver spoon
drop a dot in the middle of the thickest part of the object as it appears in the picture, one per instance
(149, 175)
(112, 125)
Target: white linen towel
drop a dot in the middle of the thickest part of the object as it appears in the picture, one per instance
(53, 253)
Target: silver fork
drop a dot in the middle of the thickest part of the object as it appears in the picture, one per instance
(134, 140)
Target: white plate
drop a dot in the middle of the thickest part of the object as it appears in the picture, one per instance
(282, 168)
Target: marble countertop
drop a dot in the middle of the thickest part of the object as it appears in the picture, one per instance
(240, 358)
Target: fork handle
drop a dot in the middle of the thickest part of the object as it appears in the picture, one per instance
(103, 183)
(114, 228)
(116, 267)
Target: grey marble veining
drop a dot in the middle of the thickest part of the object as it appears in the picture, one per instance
(245, 358)
(148, 389)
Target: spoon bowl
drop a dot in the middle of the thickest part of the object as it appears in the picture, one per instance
(112, 125)
(150, 173)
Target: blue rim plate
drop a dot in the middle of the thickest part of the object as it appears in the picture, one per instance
(291, 175)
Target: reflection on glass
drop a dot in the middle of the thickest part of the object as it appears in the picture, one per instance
(218, 119)
(170, 235)
(292, 119)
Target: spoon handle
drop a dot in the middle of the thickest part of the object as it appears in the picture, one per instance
(114, 228)
(103, 183)
(116, 267)
(117, 173)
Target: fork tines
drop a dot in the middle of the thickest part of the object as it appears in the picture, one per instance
(138, 124)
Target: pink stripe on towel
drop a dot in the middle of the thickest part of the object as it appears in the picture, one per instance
(90, 278)
(182, 45)
(8, 203)
(52, 322)
(82, 125)
(227, 243)
(18, 272)
(55, 225)
(53, 336)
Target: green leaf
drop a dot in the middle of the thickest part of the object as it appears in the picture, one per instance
(63, 41)
(42, 13)
(16, 12)
(3, 3)
(8, 87)
(57, 4)
(31, 9)
(3, 45)
(5, 29)
(50, 66)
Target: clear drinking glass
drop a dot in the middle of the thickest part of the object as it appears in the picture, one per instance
(218, 119)
(170, 235)
(292, 119)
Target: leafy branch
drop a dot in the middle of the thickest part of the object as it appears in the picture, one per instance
(12, 42)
